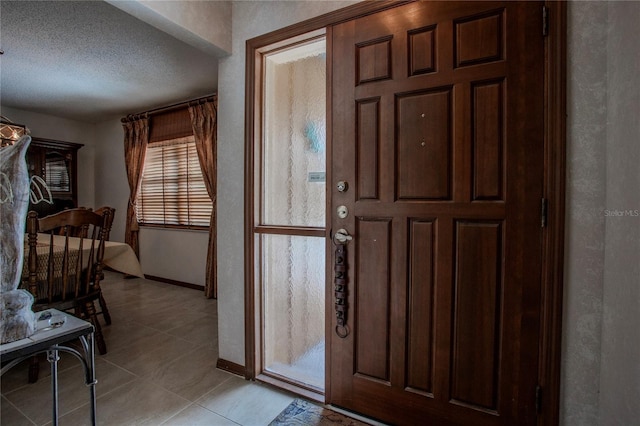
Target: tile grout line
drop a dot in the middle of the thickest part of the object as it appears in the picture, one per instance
(18, 410)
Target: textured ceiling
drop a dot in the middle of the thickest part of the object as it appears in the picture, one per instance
(89, 61)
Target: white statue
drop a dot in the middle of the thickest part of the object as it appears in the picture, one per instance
(17, 321)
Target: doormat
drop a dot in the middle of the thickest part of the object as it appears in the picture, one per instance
(304, 413)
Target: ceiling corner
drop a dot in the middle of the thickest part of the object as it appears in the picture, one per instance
(205, 25)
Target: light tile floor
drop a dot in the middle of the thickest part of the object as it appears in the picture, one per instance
(159, 369)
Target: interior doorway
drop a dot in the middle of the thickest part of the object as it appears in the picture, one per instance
(289, 220)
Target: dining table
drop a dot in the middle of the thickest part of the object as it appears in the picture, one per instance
(118, 256)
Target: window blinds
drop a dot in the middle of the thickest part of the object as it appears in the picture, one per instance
(173, 191)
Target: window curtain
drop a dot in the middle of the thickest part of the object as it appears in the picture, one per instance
(136, 138)
(204, 123)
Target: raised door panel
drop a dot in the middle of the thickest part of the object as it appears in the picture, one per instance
(421, 300)
(487, 100)
(373, 295)
(368, 148)
(476, 314)
(424, 122)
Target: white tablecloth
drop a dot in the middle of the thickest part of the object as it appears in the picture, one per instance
(117, 256)
(120, 257)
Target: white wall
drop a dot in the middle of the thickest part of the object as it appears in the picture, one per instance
(175, 254)
(585, 200)
(601, 337)
(112, 188)
(620, 357)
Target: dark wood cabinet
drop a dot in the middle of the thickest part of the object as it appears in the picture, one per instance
(56, 163)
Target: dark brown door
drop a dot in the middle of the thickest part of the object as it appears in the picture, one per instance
(437, 126)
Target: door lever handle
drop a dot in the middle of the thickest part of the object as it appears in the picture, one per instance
(342, 237)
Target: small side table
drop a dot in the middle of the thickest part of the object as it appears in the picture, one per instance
(50, 341)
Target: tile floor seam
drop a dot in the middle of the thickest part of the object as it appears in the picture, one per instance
(145, 374)
(237, 402)
(86, 404)
(63, 412)
(136, 377)
(15, 390)
(155, 385)
(204, 408)
(184, 354)
(40, 377)
(18, 410)
(212, 390)
(106, 356)
(172, 335)
(209, 392)
(160, 331)
(167, 330)
(179, 326)
(120, 367)
(171, 392)
(149, 382)
(150, 379)
(176, 414)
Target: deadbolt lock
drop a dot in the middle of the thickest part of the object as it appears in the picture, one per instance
(342, 186)
(343, 212)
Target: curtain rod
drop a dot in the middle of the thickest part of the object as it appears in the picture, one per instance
(173, 107)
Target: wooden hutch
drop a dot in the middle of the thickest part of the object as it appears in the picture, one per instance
(56, 162)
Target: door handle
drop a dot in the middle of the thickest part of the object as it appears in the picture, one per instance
(342, 237)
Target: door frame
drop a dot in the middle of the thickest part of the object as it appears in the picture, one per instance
(553, 192)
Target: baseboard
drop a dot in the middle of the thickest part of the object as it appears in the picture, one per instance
(231, 367)
(174, 282)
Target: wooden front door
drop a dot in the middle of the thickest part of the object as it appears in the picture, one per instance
(437, 128)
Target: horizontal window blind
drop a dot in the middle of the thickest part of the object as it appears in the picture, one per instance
(172, 191)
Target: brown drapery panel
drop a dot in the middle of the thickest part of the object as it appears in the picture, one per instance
(136, 138)
(205, 126)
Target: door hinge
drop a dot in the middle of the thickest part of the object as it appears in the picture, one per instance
(544, 208)
(538, 399)
(545, 21)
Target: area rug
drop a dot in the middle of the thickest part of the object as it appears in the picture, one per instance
(304, 413)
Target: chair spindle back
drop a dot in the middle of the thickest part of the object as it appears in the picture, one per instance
(75, 259)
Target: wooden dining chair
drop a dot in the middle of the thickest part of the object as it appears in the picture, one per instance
(112, 212)
(72, 231)
(104, 311)
(65, 275)
(82, 232)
